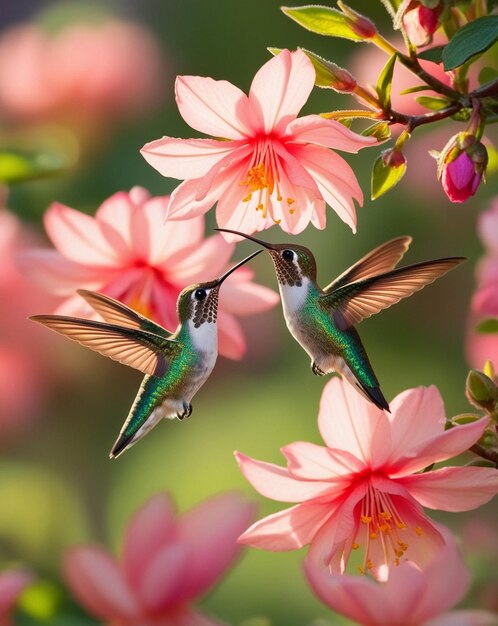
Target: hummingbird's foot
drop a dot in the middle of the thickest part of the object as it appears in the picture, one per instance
(187, 411)
(316, 370)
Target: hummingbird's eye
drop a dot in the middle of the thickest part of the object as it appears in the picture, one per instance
(288, 255)
(200, 294)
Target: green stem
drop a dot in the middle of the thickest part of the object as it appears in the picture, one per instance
(489, 455)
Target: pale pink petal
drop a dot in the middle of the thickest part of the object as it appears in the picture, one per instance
(79, 237)
(349, 422)
(213, 107)
(160, 585)
(188, 617)
(206, 262)
(12, 584)
(453, 488)
(58, 275)
(416, 416)
(273, 481)
(280, 89)
(329, 133)
(448, 444)
(75, 306)
(163, 304)
(149, 530)
(231, 340)
(210, 532)
(95, 579)
(185, 158)
(297, 205)
(308, 461)
(240, 296)
(336, 180)
(464, 618)
(185, 202)
(289, 529)
(403, 589)
(117, 214)
(487, 227)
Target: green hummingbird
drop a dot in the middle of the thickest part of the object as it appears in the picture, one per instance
(176, 364)
(323, 320)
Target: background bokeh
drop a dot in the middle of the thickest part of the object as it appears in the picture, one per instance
(57, 485)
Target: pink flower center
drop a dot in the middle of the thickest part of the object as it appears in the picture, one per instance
(381, 532)
(264, 178)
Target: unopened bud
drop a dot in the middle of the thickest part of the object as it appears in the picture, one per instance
(393, 158)
(481, 391)
(461, 166)
(330, 75)
(421, 20)
(360, 24)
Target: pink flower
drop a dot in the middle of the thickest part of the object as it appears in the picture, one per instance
(128, 252)
(270, 167)
(12, 584)
(421, 22)
(84, 72)
(410, 597)
(166, 563)
(364, 491)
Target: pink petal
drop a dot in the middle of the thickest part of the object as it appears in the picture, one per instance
(308, 461)
(79, 237)
(149, 530)
(240, 296)
(207, 261)
(214, 107)
(335, 179)
(231, 340)
(210, 532)
(280, 89)
(188, 617)
(165, 575)
(289, 529)
(448, 444)
(12, 584)
(464, 618)
(453, 488)
(461, 170)
(349, 422)
(275, 482)
(487, 227)
(186, 201)
(416, 416)
(95, 579)
(329, 133)
(117, 213)
(58, 275)
(185, 158)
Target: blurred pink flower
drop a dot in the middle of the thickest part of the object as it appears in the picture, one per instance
(410, 597)
(270, 168)
(166, 563)
(12, 584)
(364, 490)
(98, 71)
(128, 252)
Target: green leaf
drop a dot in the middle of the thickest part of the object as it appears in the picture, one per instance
(20, 167)
(384, 83)
(487, 74)
(474, 38)
(432, 54)
(433, 103)
(329, 75)
(414, 89)
(488, 326)
(380, 130)
(465, 418)
(323, 21)
(385, 177)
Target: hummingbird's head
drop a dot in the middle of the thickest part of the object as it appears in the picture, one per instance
(292, 262)
(199, 302)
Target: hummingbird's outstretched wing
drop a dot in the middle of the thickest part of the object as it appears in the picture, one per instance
(115, 312)
(356, 301)
(380, 260)
(140, 349)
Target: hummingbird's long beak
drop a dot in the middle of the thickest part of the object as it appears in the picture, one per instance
(266, 245)
(232, 269)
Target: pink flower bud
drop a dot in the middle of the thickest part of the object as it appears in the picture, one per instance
(420, 22)
(393, 158)
(460, 178)
(359, 23)
(343, 81)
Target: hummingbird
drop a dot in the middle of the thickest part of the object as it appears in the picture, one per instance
(176, 365)
(323, 321)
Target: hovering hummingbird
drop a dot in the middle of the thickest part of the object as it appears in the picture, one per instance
(323, 320)
(176, 364)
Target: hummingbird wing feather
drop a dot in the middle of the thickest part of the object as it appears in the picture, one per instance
(382, 259)
(356, 301)
(137, 348)
(115, 312)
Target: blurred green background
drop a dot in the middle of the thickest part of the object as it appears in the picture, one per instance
(57, 485)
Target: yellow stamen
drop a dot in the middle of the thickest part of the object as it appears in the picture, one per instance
(419, 531)
(355, 546)
(290, 201)
(373, 535)
(365, 519)
(361, 570)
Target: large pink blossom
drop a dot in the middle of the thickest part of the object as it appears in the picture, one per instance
(364, 491)
(128, 252)
(166, 563)
(83, 72)
(12, 584)
(270, 166)
(410, 597)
